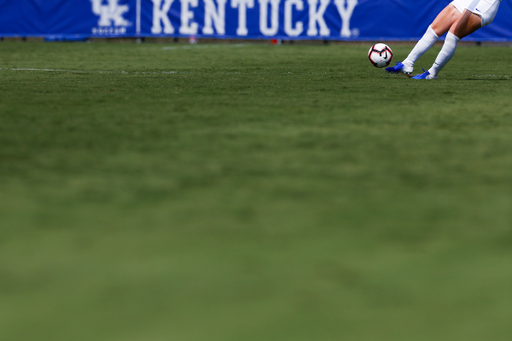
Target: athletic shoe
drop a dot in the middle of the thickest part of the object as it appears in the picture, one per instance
(400, 67)
(424, 75)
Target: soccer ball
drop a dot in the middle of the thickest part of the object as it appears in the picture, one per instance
(380, 55)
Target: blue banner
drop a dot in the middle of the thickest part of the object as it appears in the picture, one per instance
(251, 19)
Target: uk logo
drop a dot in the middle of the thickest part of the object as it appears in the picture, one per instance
(111, 13)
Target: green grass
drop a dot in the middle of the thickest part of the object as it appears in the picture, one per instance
(171, 192)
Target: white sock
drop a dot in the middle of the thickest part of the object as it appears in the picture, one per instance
(446, 53)
(422, 46)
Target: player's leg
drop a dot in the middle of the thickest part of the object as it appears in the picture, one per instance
(468, 23)
(422, 46)
(448, 16)
(439, 26)
(477, 14)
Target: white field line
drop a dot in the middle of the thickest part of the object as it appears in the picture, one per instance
(47, 70)
(81, 71)
(118, 72)
(206, 46)
(186, 47)
(493, 76)
(112, 72)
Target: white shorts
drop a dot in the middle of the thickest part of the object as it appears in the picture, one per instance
(485, 9)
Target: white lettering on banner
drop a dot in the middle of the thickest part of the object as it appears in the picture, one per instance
(274, 17)
(217, 16)
(288, 25)
(317, 16)
(111, 31)
(187, 25)
(346, 8)
(160, 15)
(242, 14)
(110, 15)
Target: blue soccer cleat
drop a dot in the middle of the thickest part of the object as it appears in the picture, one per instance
(400, 68)
(424, 75)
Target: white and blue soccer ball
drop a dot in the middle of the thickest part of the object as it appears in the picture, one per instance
(380, 55)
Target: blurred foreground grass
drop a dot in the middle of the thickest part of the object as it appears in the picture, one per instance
(252, 192)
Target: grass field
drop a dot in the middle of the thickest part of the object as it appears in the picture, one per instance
(153, 192)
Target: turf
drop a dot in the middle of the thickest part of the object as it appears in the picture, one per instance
(252, 192)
